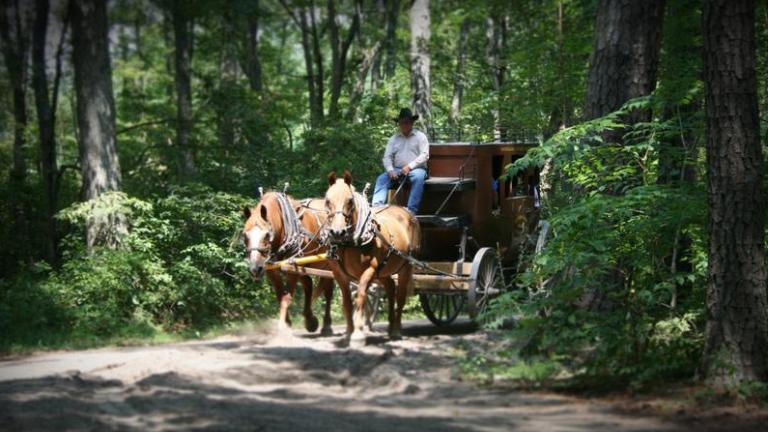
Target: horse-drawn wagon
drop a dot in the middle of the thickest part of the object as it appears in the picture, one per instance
(473, 221)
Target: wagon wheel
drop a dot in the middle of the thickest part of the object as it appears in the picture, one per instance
(441, 309)
(372, 302)
(485, 281)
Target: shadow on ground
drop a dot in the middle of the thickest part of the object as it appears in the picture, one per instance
(304, 383)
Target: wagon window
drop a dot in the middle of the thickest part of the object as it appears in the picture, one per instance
(497, 167)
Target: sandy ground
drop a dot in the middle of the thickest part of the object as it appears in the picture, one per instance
(295, 382)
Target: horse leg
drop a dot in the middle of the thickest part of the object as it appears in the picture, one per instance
(403, 280)
(283, 299)
(290, 289)
(358, 335)
(310, 321)
(389, 286)
(346, 296)
(327, 287)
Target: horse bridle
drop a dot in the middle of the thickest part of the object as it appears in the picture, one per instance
(347, 214)
(266, 251)
(271, 250)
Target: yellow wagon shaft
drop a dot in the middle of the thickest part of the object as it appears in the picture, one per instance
(298, 261)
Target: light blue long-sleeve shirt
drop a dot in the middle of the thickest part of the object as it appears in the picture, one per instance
(412, 150)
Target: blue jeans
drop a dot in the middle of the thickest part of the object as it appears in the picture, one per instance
(416, 179)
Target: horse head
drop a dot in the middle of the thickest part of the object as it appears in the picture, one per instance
(261, 233)
(340, 206)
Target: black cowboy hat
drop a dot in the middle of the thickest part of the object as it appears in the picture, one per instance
(406, 114)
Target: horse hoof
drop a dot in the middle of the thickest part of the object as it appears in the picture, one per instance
(311, 323)
(326, 331)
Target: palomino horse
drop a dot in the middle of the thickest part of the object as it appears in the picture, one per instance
(264, 234)
(393, 234)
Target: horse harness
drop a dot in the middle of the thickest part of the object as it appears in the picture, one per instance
(365, 230)
(294, 232)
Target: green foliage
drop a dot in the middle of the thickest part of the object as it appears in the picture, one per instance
(529, 371)
(621, 279)
(180, 267)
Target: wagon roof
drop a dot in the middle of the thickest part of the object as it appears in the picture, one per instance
(495, 143)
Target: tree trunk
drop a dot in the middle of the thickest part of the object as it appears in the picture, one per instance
(496, 33)
(315, 115)
(339, 50)
(565, 109)
(625, 55)
(458, 80)
(385, 67)
(182, 29)
(46, 120)
(317, 56)
(304, 18)
(623, 65)
(377, 60)
(737, 327)
(228, 72)
(390, 39)
(357, 88)
(421, 87)
(252, 59)
(96, 118)
(14, 36)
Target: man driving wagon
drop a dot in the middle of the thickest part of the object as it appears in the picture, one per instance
(405, 159)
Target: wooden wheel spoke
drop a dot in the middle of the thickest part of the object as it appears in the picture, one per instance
(441, 309)
(487, 280)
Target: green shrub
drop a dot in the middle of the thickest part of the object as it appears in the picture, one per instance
(619, 288)
(179, 267)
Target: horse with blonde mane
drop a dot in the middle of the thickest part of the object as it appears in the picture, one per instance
(391, 233)
(264, 237)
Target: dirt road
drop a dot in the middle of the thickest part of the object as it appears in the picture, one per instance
(298, 382)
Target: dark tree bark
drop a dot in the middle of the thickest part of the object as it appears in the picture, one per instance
(315, 96)
(390, 44)
(228, 72)
(381, 7)
(317, 56)
(252, 60)
(560, 116)
(99, 163)
(496, 33)
(625, 55)
(737, 327)
(182, 32)
(421, 87)
(384, 63)
(46, 119)
(458, 80)
(304, 18)
(624, 64)
(359, 86)
(14, 35)
(339, 51)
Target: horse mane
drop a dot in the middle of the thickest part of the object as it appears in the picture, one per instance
(268, 201)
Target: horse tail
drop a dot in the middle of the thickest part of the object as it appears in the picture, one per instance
(415, 235)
